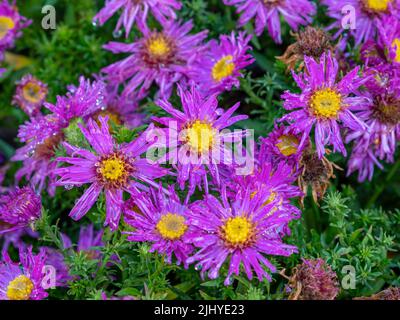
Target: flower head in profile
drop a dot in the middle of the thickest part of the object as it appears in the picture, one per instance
(89, 241)
(11, 24)
(110, 168)
(161, 220)
(20, 208)
(30, 95)
(325, 103)
(79, 102)
(267, 14)
(368, 14)
(243, 231)
(41, 136)
(137, 11)
(196, 137)
(161, 57)
(382, 115)
(218, 69)
(23, 280)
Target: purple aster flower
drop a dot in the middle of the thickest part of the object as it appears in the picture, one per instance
(55, 259)
(79, 102)
(367, 13)
(243, 230)
(379, 141)
(23, 280)
(282, 144)
(109, 168)
(121, 110)
(88, 239)
(137, 10)
(30, 95)
(198, 131)
(218, 69)
(41, 136)
(161, 220)
(20, 208)
(324, 103)
(267, 14)
(163, 57)
(11, 24)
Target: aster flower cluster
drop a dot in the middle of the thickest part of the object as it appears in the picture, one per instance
(152, 162)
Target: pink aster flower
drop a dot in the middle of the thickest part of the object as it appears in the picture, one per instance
(379, 141)
(218, 69)
(11, 24)
(79, 102)
(137, 10)
(23, 280)
(243, 230)
(41, 136)
(88, 239)
(110, 168)
(161, 220)
(267, 14)
(367, 12)
(20, 208)
(163, 57)
(30, 95)
(197, 131)
(325, 103)
(282, 145)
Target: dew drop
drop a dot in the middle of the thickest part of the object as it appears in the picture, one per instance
(117, 33)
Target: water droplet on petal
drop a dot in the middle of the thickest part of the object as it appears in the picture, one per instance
(117, 33)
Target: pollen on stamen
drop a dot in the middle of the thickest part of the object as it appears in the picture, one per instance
(223, 68)
(325, 103)
(20, 288)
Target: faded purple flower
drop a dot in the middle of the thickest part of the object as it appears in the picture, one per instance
(267, 14)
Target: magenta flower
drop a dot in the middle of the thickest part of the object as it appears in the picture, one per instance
(218, 69)
(20, 208)
(282, 144)
(79, 102)
(267, 14)
(243, 230)
(197, 131)
(109, 169)
(161, 220)
(382, 116)
(134, 10)
(30, 95)
(324, 103)
(163, 57)
(41, 136)
(367, 12)
(11, 24)
(56, 259)
(23, 280)
(88, 239)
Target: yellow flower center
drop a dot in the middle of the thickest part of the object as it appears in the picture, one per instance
(326, 103)
(113, 169)
(32, 92)
(238, 231)
(378, 5)
(287, 145)
(171, 226)
(6, 24)
(158, 46)
(223, 68)
(396, 45)
(200, 136)
(20, 288)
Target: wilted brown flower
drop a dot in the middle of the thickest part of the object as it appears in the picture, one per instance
(315, 173)
(312, 42)
(313, 280)
(388, 294)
